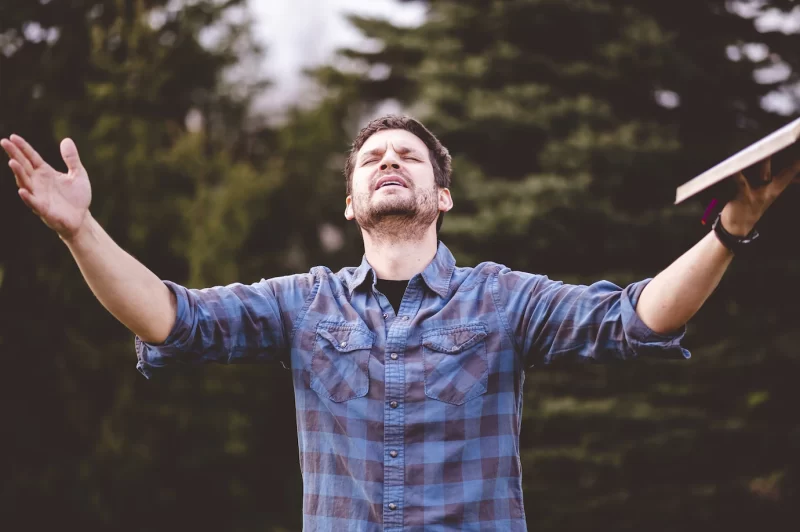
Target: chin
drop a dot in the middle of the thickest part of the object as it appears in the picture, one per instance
(393, 207)
(383, 213)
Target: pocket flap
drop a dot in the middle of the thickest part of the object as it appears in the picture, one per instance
(345, 339)
(454, 340)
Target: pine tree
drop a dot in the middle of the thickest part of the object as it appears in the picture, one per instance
(571, 124)
(150, 93)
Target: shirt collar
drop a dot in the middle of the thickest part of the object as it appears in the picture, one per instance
(437, 273)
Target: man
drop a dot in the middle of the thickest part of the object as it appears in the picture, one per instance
(407, 370)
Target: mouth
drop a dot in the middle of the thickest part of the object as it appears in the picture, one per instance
(390, 182)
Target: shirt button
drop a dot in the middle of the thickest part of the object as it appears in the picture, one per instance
(393, 356)
(392, 506)
(343, 344)
(404, 318)
(393, 404)
(393, 454)
(385, 316)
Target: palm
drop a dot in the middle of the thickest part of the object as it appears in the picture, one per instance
(65, 198)
(60, 200)
(742, 213)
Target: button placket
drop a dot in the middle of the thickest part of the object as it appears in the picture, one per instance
(397, 327)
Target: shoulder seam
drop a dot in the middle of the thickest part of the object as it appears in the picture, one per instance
(499, 308)
(301, 316)
(276, 305)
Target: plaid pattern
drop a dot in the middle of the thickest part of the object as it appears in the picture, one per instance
(411, 420)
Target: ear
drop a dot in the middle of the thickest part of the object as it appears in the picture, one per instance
(445, 199)
(348, 208)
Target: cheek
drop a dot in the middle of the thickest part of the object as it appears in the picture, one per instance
(425, 175)
(359, 185)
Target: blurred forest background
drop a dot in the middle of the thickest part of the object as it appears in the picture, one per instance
(571, 123)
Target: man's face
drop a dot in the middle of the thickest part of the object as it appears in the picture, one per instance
(393, 183)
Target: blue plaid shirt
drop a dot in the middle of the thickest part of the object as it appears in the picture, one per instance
(411, 420)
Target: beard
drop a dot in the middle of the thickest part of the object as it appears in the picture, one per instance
(397, 216)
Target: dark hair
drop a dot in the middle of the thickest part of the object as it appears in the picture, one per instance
(440, 157)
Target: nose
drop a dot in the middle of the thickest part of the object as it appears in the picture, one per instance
(389, 160)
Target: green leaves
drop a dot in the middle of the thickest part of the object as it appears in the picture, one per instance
(566, 155)
(571, 124)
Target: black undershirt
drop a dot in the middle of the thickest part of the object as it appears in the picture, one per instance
(393, 290)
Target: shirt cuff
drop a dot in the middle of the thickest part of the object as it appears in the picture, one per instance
(150, 355)
(642, 339)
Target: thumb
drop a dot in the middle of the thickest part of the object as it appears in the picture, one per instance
(69, 152)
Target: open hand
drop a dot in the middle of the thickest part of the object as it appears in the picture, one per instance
(60, 200)
(741, 214)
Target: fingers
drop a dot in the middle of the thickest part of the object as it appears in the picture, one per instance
(765, 170)
(16, 154)
(741, 181)
(23, 180)
(789, 174)
(35, 159)
(30, 200)
(16, 177)
(69, 152)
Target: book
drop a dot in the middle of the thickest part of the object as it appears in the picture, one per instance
(714, 184)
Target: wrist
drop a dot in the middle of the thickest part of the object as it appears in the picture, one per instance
(739, 226)
(80, 233)
(734, 243)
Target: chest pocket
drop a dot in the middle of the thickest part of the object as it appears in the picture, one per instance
(339, 366)
(456, 367)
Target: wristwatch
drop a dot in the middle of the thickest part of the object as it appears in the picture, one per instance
(736, 244)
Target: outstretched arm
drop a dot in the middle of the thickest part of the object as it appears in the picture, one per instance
(124, 286)
(172, 324)
(678, 292)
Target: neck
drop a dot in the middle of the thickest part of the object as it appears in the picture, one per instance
(400, 259)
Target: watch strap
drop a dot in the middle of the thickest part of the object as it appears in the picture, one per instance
(736, 244)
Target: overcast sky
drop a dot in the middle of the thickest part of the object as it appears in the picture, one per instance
(300, 33)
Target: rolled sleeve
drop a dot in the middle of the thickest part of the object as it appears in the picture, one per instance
(236, 323)
(551, 321)
(150, 355)
(643, 341)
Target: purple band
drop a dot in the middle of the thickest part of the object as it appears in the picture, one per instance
(708, 211)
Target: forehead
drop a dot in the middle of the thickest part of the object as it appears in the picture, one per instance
(397, 138)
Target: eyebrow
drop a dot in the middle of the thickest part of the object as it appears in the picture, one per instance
(402, 150)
